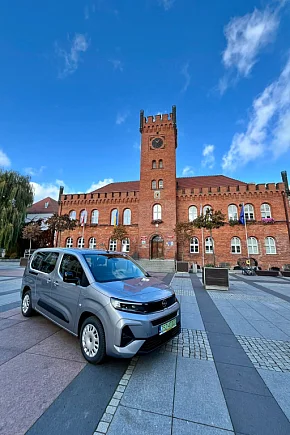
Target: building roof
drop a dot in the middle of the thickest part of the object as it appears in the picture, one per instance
(44, 206)
(182, 183)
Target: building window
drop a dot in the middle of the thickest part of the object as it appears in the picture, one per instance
(83, 217)
(127, 217)
(72, 215)
(192, 213)
(160, 165)
(92, 243)
(265, 211)
(249, 212)
(205, 208)
(233, 212)
(194, 245)
(126, 245)
(156, 212)
(114, 217)
(153, 184)
(235, 245)
(154, 166)
(270, 245)
(46, 204)
(81, 242)
(208, 245)
(69, 242)
(113, 245)
(95, 217)
(160, 184)
(253, 245)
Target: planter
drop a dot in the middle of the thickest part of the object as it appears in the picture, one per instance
(182, 266)
(215, 278)
(23, 261)
(286, 273)
(267, 272)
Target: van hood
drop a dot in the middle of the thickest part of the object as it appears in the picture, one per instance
(136, 289)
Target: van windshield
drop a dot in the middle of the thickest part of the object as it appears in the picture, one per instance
(106, 267)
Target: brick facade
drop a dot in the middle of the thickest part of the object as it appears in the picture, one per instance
(175, 196)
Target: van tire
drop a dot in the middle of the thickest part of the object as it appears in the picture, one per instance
(93, 341)
(26, 304)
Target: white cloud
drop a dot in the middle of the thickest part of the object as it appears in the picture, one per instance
(43, 190)
(268, 128)
(100, 184)
(208, 154)
(71, 58)
(246, 36)
(4, 160)
(33, 172)
(117, 64)
(121, 117)
(187, 171)
(187, 77)
(167, 4)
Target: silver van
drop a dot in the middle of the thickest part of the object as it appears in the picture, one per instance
(104, 298)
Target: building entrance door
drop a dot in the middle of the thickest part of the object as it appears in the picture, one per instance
(157, 247)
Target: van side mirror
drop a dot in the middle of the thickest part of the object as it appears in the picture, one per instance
(70, 277)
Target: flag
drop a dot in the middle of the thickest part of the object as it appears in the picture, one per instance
(116, 220)
(83, 219)
(242, 216)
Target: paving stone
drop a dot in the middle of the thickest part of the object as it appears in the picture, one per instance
(181, 427)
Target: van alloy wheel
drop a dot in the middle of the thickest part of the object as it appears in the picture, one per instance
(90, 340)
(26, 303)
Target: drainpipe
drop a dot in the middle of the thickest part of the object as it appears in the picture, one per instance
(285, 196)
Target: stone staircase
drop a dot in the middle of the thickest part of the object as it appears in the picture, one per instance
(165, 266)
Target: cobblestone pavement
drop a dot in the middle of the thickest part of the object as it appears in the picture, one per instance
(190, 344)
(267, 354)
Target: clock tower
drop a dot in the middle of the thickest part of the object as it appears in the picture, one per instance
(157, 194)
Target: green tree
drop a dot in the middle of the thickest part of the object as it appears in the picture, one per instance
(184, 231)
(211, 220)
(59, 224)
(16, 194)
(31, 232)
(119, 233)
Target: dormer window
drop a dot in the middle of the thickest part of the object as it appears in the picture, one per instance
(46, 204)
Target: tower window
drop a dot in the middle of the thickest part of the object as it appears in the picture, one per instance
(154, 165)
(156, 212)
(160, 184)
(153, 184)
(160, 165)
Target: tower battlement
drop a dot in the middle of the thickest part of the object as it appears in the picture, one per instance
(158, 121)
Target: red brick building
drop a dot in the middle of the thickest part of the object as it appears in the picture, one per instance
(150, 208)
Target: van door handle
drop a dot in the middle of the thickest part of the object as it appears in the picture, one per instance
(55, 283)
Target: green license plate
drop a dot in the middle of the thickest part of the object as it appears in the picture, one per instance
(167, 326)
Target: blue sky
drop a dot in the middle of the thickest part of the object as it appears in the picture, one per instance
(74, 76)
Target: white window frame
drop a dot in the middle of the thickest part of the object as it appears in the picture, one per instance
(253, 246)
(83, 214)
(249, 212)
(208, 244)
(72, 215)
(205, 208)
(113, 214)
(154, 164)
(81, 242)
(233, 212)
(157, 212)
(112, 245)
(95, 216)
(160, 164)
(194, 245)
(192, 213)
(92, 243)
(236, 244)
(266, 211)
(153, 185)
(270, 245)
(127, 216)
(126, 245)
(69, 242)
(160, 184)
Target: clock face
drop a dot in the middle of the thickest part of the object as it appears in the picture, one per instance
(157, 142)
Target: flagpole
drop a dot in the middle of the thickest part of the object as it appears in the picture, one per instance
(246, 230)
(84, 223)
(202, 238)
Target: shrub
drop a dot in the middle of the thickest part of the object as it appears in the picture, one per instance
(13, 255)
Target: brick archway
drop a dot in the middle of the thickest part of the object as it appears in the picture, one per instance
(157, 247)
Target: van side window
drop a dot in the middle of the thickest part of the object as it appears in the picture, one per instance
(37, 260)
(49, 262)
(70, 263)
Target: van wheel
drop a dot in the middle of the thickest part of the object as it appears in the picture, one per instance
(92, 341)
(26, 305)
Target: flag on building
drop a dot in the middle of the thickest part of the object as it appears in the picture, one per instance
(242, 215)
(83, 219)
(116, 218)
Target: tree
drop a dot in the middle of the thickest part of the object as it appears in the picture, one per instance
(119, 233)
(184, 231)
(16, 194)
(31, 232)
(211, 220)
(59, 224)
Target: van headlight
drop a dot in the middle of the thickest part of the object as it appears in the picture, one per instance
(132, 307)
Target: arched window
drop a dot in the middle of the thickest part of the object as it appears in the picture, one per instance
(233, 212)
(72, 215)
(194, 245)
(153, 184)
(126, 245)
(83, 217)
(95, 217)
(192, 213)
(235, 245)
(156, 212)
(205, 208)
(69, 242)
(160, 184)
(92, 243)
(160, 165)
(154, 166)
(114, 217)
(270, 245)
(113, 245)
(249, 212)
(253, 245)
(265, 211)
(81, 242)
(209, 245)
(127, 217)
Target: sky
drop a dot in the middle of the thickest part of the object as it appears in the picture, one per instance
(75, 75)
